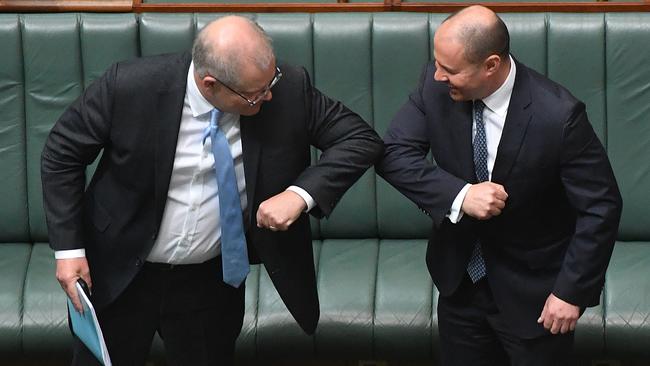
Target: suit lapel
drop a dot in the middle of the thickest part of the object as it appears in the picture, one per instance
(167, 120)
(514, 130)
(250, 141)
(461, 126)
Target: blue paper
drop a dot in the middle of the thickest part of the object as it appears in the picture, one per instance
(86, 327)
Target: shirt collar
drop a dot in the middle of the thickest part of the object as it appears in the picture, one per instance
(499, 101)
(198, 104)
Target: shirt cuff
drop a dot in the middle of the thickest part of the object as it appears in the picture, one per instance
(304, 195)
(68, 254)
(456, 212)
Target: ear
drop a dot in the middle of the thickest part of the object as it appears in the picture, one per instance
(208, 81)
(206, 85)
(492, 64)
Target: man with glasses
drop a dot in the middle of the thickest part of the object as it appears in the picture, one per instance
(258, 96)
(206, 166)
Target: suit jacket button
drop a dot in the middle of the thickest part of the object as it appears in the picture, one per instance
(138, 262)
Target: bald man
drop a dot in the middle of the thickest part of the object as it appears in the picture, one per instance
(522, 198)
(205, 169)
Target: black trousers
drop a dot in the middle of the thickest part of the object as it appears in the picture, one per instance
(472, 332)
(197, 315)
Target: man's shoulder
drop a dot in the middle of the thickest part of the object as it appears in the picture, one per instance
(550, 101)
(292, 71)
(159, 71)
(294, 80)
(546, 90)
(154, 63)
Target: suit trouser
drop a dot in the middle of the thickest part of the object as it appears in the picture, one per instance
(197, 315)
(472, 332)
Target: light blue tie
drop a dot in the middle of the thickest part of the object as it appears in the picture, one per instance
(234, 254)
(476, 265)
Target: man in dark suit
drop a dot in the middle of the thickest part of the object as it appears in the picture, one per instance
(205, 165)
(524, 203)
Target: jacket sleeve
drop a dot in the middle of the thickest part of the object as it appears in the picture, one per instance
(405, 164)
(73, 143)
(592, 191)
(348, 145)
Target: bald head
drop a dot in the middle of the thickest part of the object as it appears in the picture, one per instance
(226, 46)
(479, 30)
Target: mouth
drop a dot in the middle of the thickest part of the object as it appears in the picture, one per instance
(455, 94)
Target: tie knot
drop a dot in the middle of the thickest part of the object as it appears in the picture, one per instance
(215, 115)
(479, 106)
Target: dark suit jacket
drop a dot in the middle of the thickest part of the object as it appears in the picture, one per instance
(558, 228)
(133, 112)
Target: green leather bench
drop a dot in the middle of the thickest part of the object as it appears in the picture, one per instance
(377, 300)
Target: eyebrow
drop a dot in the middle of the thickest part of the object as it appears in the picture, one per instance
(263, 88)
(445, 66)
(251, 92)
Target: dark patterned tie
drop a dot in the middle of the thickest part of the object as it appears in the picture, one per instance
(234, 254)
(476, 265)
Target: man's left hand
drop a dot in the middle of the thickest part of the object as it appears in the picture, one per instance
(558, 316)
(280, 211)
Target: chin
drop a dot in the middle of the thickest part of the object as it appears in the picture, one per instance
(250, 111)
(456, 96)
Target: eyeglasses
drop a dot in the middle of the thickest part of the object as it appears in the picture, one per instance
(261, 95)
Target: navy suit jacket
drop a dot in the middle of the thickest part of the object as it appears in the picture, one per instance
(133, 113)
(557, 230)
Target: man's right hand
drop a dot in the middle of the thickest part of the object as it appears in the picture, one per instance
(484, 200)
(68, 271)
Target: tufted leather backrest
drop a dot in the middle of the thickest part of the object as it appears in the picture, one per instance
(375, 292)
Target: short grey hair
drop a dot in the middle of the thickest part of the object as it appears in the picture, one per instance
(226, 66)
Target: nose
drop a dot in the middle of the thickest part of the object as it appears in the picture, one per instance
(439, 75)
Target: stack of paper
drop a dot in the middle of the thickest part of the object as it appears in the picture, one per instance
(86, 327)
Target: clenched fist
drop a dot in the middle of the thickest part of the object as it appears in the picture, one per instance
(280, 211)
(484, 200)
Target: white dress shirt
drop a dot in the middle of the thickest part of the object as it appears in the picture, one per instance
(190, 230)
(494, 117)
